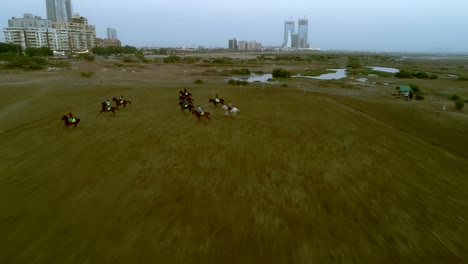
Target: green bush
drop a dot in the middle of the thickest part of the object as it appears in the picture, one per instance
(198, 81)
(87, 74)
(459, 103)
(433, 76)
(462, 78)
(455, 97)
(403, 74)
(241, 72)
(284, 85)
(421, 75)
(172, 59)
(353, 65)
(28, 63)
(280, 73)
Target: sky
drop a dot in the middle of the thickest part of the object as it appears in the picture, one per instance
(439, 26)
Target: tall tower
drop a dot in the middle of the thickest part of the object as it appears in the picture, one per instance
(111, 33)
(59, 10)
(302, 30)
(288, 30)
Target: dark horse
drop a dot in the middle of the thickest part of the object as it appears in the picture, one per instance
(68, 123)
(104, 108)
(118, 103)
(185, 93)
(199, 116)
(184, 106)
(216, 102)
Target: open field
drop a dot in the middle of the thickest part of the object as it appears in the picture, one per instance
(309, 173)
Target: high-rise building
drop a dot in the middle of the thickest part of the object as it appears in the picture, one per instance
(302, 30)
(233, 44)
(59, 10)
(28, 21)
(296, 40)
(111, 33)
(288, 30)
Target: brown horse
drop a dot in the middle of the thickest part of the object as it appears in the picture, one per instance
(216, 102)
(199, 116)
(74, 122)
(118, 103)
(111, 109)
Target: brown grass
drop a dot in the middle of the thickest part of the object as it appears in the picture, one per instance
(304, 175)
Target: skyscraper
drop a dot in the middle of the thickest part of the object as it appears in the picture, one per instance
(302, 30)
(111, 33)
(59, 10)
(233, 44)
(288, 30)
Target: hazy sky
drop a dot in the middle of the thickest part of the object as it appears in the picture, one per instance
(372, 25)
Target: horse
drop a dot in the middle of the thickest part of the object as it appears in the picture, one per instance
(216, 102)
(232, 111)
(188, 98)
(199, 116)
(104, 108)
(74, 122)
(188, 106)
(185, 93)
(118, 103)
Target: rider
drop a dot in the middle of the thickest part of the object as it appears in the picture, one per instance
(185, 92)
(200, 110)
(217, 99)
(229, 106)
(185, 103)
(121, 99)
(71, 118)
(108, 105)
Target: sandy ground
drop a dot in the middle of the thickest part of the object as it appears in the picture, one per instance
(304, 174)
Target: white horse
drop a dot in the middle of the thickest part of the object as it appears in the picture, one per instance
(234, 111)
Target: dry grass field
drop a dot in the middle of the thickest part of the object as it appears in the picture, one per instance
(305, 174)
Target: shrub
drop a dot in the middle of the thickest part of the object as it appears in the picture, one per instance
(87, 74)
(433, 76)
(171, 59)
(419, 94)
(459, 103)
(421, 75)
(403, 74)
(198, 81)
(353, 65)
(455, 97)
(284, 85)
(241, 72)
(28, 63)
(232, 81)
(462, 78)
(280, 73)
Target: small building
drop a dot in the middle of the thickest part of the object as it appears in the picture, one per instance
(404, 89)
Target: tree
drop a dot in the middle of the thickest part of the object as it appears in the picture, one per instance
(8, 47)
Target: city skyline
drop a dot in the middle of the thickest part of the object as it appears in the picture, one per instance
(397, 25)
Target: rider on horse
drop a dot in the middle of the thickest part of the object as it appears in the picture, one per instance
(108, 105)
(121, 99)
(71, 118)
(185, 104)
(217, 99)
(200, 110)
(229, 106)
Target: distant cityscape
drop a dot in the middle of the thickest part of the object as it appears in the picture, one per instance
(65, 31)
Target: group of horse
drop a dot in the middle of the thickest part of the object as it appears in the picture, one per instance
(73, 121)
(186, 103)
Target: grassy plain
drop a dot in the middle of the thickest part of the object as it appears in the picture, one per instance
(315, 172)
